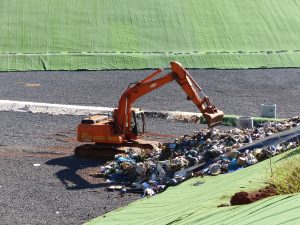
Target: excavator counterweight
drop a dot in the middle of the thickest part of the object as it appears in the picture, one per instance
(127, 124)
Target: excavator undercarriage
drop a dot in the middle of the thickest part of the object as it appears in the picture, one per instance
(108, 151)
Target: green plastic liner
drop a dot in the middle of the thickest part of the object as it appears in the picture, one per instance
(231, 120)
(135, 34)
(190, 203)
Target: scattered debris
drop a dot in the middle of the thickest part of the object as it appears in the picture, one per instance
(115, 188)
(223, 205)
(207, 152)
(198, 183)
(32, 85)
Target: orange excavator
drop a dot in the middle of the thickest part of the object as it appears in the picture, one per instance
(127, 124)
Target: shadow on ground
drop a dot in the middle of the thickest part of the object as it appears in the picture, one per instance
(69, 176)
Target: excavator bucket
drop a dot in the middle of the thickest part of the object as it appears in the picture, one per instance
(214, 119)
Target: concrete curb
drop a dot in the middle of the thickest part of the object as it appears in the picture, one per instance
(78, 110)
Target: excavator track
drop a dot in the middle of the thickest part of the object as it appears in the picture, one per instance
(108, 151)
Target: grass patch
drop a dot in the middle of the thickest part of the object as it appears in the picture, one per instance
(285, 176)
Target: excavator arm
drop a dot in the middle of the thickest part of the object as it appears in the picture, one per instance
(122, 115)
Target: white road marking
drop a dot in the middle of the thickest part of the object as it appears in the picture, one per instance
(79, 110)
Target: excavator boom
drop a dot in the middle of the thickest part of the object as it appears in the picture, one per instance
(212, 115)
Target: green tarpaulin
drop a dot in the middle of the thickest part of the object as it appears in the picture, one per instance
(232, 120)
(135, 34)
(194, 203)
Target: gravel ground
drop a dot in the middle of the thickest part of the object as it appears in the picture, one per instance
(233, 91)
(60, 190)
(52, 193)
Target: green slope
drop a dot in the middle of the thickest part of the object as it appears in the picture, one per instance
(134, 34)
(189, 204)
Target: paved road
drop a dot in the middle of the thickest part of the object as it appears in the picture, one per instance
(234, 91)
(60, 190)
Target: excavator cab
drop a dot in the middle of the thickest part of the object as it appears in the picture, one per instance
(138, 123)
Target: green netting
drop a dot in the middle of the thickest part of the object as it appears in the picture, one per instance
(135, 34)
(231, 120)
(189, 204)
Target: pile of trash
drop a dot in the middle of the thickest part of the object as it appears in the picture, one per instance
(207, 152)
